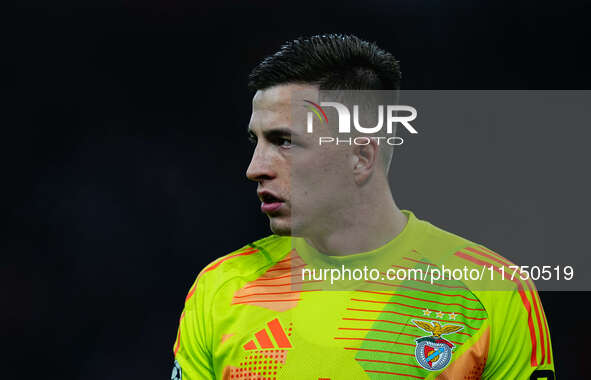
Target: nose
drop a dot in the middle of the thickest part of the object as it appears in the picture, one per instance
(260, 167)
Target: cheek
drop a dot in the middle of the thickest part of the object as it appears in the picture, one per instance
(332, 165)
(322, 181)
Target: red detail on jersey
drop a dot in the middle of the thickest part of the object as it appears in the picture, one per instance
(422, 290)
(524, 300)
(419, 262)
(393, 332)
(279, 334)
(387, 362)
(274, 278)
(385, 275)
(250, 345)
(270, 290)
(473, 250)
(265, 342)
(191, 292)
(491, 252)
(410, 306)
(395, 323)
(420, 299)
(178, 341)
(284, 260)
(379, 330)
(225, 337)
(266, 300)
(375, 340)
(378, 320)
(275, 293)
(544, 339)
(394, 373)
(254, 285)
(250, 251)
(263, 339)
(410, 315)
(547, 334)
(384, 351)
(540, 325)
(285, 268)
(178, 338)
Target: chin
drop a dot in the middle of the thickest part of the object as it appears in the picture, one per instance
(288, 227)
(280, 227)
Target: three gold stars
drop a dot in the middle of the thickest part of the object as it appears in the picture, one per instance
(440, 314)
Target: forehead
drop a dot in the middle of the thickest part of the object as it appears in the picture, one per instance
(277, 104)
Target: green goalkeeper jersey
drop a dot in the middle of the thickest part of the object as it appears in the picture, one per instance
(276, 310)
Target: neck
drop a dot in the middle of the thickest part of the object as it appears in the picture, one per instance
(364, 228)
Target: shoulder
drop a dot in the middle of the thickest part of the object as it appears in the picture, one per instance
(509, 298)
(445, 241)
(449, 248)
(486, 273)
(509, 306)
(244, 262)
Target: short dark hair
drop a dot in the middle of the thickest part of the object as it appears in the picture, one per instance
(333, 61)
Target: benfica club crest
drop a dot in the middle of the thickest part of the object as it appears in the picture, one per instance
(433, 352)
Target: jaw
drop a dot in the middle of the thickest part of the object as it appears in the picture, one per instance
(280, 225)
(280, 222)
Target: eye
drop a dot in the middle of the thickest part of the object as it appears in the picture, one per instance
(284, 142)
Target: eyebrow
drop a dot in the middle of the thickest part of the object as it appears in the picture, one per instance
(276, 132)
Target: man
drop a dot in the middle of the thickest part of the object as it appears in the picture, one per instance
(257, 314)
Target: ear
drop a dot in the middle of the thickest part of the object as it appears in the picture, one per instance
(364, 159)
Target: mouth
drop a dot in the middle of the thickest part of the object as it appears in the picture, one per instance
(270, 202)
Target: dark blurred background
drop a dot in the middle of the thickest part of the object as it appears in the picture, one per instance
(125, 171)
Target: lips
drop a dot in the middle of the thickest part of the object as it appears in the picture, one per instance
(269, 201)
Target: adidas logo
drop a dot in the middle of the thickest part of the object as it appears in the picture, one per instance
(264, 340)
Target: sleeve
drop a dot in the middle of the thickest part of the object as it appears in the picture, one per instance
(192, 347)
(520, 345)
